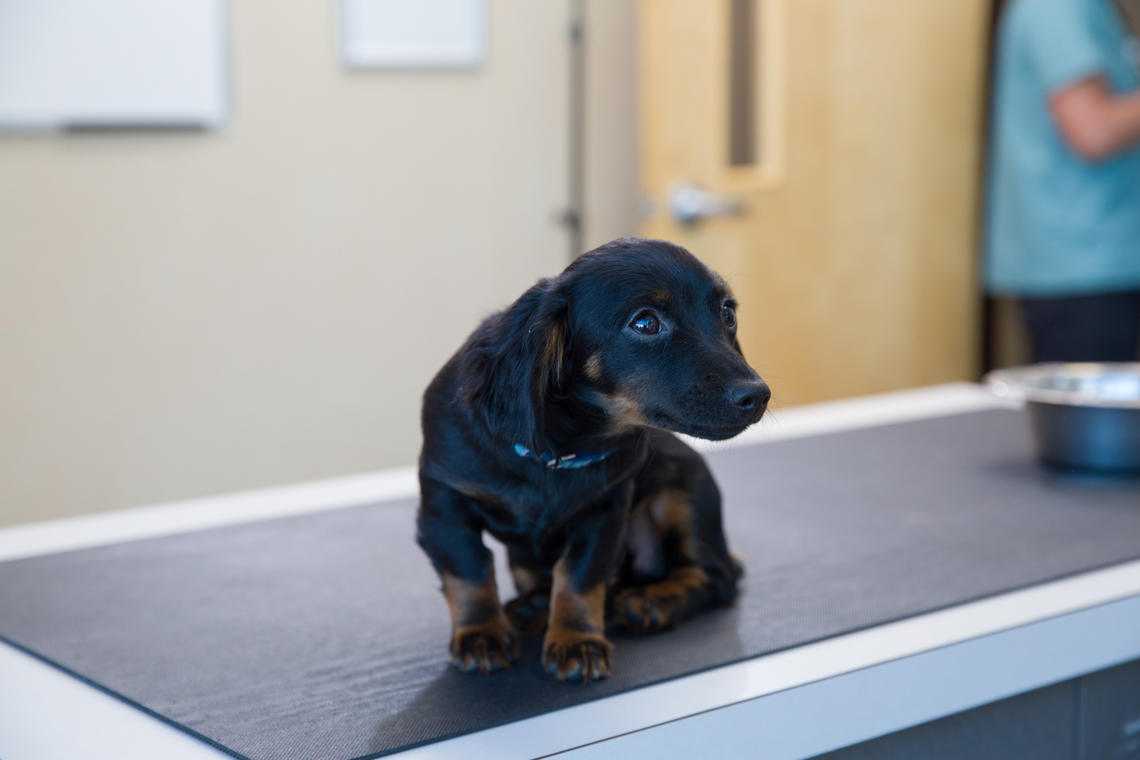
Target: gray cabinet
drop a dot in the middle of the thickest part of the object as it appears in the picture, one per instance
(1094, 717)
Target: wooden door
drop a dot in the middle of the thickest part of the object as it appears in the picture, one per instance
(849, 173)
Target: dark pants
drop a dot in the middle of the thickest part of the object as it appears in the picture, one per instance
(1104, 327)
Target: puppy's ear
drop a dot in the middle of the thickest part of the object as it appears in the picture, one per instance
(516, 362)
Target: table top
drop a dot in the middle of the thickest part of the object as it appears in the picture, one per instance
(30, 716)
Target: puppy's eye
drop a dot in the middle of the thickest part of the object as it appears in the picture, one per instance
(646, 323)
(728, 314)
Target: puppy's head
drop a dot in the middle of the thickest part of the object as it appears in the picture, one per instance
(651, 335)
(638, 329)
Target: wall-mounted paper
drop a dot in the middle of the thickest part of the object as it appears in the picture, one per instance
(419, 34)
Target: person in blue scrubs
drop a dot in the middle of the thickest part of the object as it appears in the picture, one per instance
(1063, 198)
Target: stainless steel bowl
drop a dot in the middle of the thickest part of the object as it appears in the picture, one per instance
(1084, 416)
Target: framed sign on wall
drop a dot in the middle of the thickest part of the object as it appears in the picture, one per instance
(423, 34)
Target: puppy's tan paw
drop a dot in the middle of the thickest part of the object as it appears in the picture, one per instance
(573, 656)
(662, 604)
(640, 611)
(484, 647)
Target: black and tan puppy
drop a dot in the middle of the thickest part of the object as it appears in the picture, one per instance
(548, 430)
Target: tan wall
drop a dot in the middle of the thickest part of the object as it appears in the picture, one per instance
(185, 314)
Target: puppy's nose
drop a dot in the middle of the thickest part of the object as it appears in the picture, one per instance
(750, 395)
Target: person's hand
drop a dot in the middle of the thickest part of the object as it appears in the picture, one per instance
(1095, 123)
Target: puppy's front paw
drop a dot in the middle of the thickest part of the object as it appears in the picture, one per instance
(528, 613)
(574, 656)
(484, 647)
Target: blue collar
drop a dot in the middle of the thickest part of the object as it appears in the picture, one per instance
(564, 462)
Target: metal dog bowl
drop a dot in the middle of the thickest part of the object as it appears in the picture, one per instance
(1084, 416)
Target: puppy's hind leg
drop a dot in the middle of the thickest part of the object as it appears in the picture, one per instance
(699, 572)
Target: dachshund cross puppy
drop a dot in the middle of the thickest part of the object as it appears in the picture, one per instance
(549, 429)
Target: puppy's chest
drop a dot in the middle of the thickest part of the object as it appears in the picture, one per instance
(541, 511)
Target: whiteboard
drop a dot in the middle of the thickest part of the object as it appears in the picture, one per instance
(112, 63)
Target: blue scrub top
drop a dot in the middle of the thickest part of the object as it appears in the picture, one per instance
(1056, 223)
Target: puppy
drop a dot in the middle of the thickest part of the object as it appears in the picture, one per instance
(549, 429)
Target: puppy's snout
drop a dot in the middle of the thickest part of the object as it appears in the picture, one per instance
(750, 395)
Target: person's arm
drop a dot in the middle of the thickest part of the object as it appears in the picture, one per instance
(1095, 123)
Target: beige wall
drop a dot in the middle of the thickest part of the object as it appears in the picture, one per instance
(185, 314)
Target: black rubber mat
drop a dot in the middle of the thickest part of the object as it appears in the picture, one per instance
(322, 636)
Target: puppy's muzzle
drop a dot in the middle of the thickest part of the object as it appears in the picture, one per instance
(749, 397)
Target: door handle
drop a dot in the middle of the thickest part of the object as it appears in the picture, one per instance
(690, 204)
